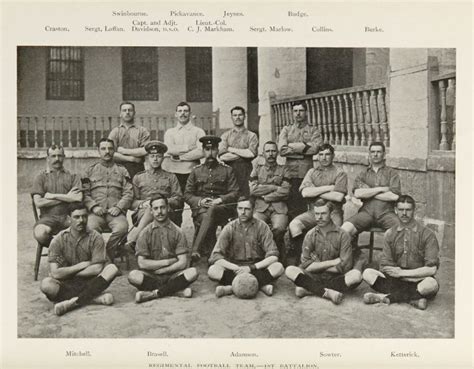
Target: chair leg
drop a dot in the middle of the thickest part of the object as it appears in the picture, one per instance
(371, 246)
(39, 251)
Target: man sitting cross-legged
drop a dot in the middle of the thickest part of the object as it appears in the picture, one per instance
(162, 257)
(326, 261)
(409, 262)
(76, 261)
(245, 245)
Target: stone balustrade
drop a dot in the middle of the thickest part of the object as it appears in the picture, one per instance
(83, 132)
(445, 86)
(353, 116)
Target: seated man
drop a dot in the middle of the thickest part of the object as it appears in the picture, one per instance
(245, 245)
(162, 258)
(108, 196)
(147, 185)
(378, 187)
(326, 262)
(210, 186)
(53, 190)
(323, 181)
(76, 261)
(270, 186)
(409, 262)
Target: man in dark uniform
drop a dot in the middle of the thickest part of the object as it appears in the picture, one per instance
(323, 181)
(298, 142)
(147, 185)
(270, 186)
(378, 187)
(108, 196)
(53, 190)
(326, 262)
(162, 258)
(210, 186)
(409, 262)
(245, 245)
(129, 140)
(237, 149)
(76, 261)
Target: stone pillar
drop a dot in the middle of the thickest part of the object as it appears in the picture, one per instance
(377, 63)
(409, 105)
(281, 71)
(229, 82)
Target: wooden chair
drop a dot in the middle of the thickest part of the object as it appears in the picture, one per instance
(39, 246)
(370, 246)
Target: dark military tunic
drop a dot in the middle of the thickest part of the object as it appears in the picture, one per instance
(212, 181)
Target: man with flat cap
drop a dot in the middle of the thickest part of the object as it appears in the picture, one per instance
(150, 183)
(209, 188)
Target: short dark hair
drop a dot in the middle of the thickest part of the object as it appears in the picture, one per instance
(406, 199)
(299, 102)
(377, 143)
(183, 103)
(105, 139)
(237, 108)
(247, 198)
(326, 146)
(269, 143)
(126, 103)
(323, 202)
(54, 147)
(73, 206)
(159, 197)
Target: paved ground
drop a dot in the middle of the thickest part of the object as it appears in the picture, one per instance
(204, 316)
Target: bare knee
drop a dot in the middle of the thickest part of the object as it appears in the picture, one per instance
(42, 233)
(370, 275)
(49, 287)
(295, 228)
(191, 274)
(292, 272)
(428, 286)
(353, 277)
(215, 272)
(135, 277)
(109, 272)
(349, 228)
(276, 269)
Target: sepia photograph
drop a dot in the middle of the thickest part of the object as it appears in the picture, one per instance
(235, 192)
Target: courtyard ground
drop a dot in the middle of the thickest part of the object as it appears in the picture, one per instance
(205, 316)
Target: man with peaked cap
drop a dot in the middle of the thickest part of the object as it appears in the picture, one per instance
(209, 188)
(150, 183)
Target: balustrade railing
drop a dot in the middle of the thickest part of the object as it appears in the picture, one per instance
(83, 132)
(445, 86)
(353, 116)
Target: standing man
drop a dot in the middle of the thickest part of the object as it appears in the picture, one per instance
(129, 140)
(298, 142)
(108, 196)
(210, 186)
(326, 262)
(245, 245)
(162, 258)
(149, 184)
(76, 262)
(409, 262)
(237, 149)
(378, 187)
(53, 191)
(323, 181)
(184, 148)
(270, 186)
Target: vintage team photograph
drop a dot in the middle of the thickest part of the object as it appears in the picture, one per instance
(236, 192)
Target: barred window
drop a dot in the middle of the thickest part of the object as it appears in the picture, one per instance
(140, 73)
(198, 74)
(65, 74)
